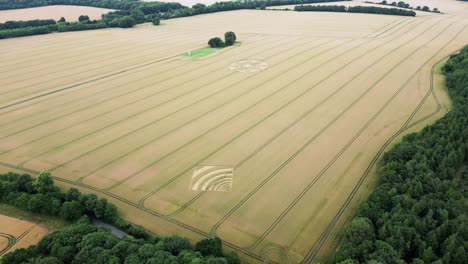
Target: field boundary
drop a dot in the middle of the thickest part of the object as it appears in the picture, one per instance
(406, 126)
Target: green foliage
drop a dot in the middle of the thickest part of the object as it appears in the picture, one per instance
(156, 21)
(25, 24)
(357, 9)
(229, 38)
(62, 20)
(176, 244)
(210, 247)
(234, 5)
(126, 22)
(84, 243)
(40, 195)
(83, 18)
(416, 214)
(216, 43)
(402, 4)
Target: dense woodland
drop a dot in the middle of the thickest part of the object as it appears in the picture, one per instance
(356, 9)
(81, 242)
(416, 214)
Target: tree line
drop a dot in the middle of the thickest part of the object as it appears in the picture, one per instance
(402, 4)
(416, 214)
(81, 242)
(198, 9)
(356, 9)
(129, 14)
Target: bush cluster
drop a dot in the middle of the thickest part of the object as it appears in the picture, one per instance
(229, 40)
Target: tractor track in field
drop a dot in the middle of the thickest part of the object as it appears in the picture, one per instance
(12, 240)
(304, 115)
(322, 172)
(98, 104)
(196, 67)
(312, 254)
(139, 61)
(135, 130)
(110, 51)
(166, 183)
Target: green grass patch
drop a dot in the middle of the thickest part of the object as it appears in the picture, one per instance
(51, 222)
(196, 54)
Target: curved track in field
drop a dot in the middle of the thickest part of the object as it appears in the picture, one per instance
(326, 233)
(406, 126)
(12, 240)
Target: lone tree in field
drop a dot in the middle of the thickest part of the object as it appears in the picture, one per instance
(229, 38)
(216, 43)
(83, 18)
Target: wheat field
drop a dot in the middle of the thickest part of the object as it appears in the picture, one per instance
(268, 144)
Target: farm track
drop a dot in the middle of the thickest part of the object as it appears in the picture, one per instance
(312, 254)
(248, 91)
(88, 81)
(113, 88)
(130, 203)
(196, 138)
(315, 179)
(146, 86)
(151, 123)
(286, 128)
(167, 182)
(105, 45)
(12, 240)
(142, 56)
(100, 76)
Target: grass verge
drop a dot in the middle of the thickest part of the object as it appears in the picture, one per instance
(200, 53)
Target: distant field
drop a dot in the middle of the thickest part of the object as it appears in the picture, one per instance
(15, 233)
(71, 13)
(267, 145)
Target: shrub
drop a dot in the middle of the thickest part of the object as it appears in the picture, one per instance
(216, 43)
(229, 38)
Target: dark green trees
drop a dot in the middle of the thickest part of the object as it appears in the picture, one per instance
(210, 247)
(416, 214)
(156, 21)
(126, 22)
(229, 38)
(216, 43)
(62, 20)
(83, 18)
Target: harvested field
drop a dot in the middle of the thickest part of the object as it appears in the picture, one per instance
(70, 13)
(281, 131)
(16, 233)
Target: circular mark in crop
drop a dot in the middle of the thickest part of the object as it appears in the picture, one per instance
(212, 178)
(248, 66)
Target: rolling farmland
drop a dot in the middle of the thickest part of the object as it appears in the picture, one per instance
(70, 13)
(15, 233)
(267, 144)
